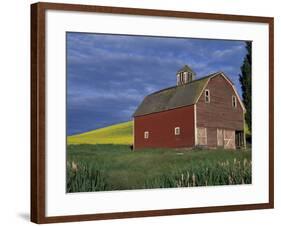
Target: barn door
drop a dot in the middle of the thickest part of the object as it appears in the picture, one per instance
(219, 137)
(229, 139)
(202, 136)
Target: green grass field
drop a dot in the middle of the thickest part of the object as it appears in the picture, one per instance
(104, 167)
(115, 134)
(101, 160)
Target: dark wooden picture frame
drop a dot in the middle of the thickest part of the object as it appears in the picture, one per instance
(38, 120)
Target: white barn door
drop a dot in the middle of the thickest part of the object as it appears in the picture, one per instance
(220, 138)
(229, 139)
(202, 136)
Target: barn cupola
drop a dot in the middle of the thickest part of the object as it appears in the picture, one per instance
(185, 75)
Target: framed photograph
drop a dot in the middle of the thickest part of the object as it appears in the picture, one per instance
(141, 112)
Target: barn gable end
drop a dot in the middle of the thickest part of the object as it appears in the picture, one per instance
(219, 112)
(220, 117)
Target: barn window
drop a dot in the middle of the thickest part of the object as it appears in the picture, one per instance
(207, 96)
(234, 101)
(146, 135)
(177, 131)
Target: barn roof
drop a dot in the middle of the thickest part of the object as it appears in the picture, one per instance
(173, 97)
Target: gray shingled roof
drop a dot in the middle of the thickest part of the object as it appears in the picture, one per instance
(173, 97)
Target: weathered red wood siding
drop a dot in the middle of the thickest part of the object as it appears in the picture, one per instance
(161, 127)
(219, 113)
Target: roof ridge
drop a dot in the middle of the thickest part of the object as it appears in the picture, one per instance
(186, 84)
(161, 90)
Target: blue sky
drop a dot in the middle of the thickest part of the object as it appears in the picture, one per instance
(108, 75)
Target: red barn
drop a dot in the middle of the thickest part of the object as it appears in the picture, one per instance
(206, 112)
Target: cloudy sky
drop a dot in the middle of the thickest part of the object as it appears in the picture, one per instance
(108, 75)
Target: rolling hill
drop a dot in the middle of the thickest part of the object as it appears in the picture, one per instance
(115, 134)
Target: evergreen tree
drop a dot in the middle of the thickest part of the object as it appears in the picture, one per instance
(245, 79)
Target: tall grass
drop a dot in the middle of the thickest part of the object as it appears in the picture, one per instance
(84, 178)
(116, 167)
(206, 174)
